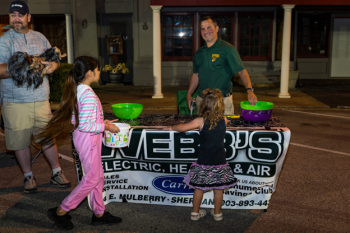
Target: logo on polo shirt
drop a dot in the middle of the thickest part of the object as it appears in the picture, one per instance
(214, 57)
(13, 5)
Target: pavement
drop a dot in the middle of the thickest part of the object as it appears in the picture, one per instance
(301, 97)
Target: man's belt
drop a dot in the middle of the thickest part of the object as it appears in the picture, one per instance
(228, 95)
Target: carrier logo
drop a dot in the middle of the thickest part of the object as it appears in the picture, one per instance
(171, 185)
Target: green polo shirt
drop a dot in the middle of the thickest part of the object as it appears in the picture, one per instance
(216, 65)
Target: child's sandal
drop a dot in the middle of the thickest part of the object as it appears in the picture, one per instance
(196, 216)
(217, 217)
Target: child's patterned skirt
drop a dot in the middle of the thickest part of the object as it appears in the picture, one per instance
(207, 177)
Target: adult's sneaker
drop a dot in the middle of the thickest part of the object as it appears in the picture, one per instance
(30, 184)
(106, 218)
(63, 222)
(60, 180)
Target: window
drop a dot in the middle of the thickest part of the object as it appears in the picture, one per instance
(225, 27)
(177, 37)
(4, 20)
(312, 34)
(4, 24)
(254, 36)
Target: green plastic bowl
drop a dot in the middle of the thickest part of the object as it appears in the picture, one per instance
(127, 110)
(260, 105)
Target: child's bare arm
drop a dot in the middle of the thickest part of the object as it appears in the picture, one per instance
(195, 124)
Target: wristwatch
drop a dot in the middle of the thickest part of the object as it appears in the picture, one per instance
(250, 89)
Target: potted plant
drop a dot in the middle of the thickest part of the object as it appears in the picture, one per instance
(116, 74)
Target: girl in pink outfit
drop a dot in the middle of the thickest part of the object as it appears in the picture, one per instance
(78, 98)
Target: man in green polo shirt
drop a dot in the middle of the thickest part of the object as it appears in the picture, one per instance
(214, 65)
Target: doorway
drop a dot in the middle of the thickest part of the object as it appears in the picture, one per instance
(117, 25)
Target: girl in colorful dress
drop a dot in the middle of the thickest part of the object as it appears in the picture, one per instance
(211, 171)
(78, 98)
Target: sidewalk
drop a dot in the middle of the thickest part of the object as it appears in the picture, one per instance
(111, 94)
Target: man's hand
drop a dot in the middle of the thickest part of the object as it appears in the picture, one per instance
(3, 71)
(252, 98)
(247, 84)
(54, 66)
(189, 100)
(193, 85)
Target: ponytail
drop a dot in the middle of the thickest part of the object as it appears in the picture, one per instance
(69, 103)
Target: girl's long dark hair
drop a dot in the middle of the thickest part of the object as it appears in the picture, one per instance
(69, 103)
(212, 107)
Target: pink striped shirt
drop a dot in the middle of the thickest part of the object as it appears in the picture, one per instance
(88, 110)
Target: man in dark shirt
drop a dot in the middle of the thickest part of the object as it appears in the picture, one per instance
(214, 65)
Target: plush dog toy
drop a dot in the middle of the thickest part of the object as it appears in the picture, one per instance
(24, 68)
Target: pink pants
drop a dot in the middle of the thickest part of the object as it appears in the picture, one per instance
(92, 182)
